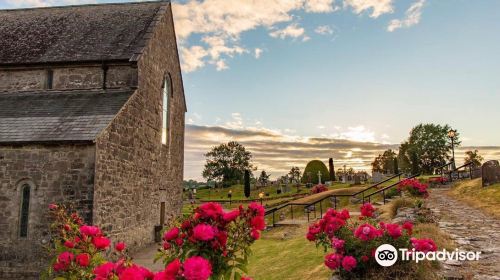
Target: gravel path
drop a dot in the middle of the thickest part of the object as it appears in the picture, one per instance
(472, 230)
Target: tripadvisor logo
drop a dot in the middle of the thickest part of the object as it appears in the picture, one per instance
(387, 255)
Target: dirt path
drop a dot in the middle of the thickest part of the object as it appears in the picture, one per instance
(472, 230)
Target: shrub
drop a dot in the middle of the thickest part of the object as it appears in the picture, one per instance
(211, 243)
(311, 172)
(319, 188)
(353, 242)
(414, 187)
(223, 239)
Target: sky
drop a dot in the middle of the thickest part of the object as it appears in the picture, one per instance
(295, 80)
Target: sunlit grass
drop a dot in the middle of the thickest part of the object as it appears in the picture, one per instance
(285, 253)
(471, 192)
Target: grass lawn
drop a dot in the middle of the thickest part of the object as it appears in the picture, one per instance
(471, 192)
(292, 257)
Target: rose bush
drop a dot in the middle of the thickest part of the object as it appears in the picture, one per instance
(319, 188)
(353, 241)
(222, 238)
(414, 187)
(210, 245)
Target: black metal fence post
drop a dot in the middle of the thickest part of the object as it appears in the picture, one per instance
(291, 209)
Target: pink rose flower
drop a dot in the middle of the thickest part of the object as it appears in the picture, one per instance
(65, 258)
(90, 230)
(255, 234)
(120, 246)
(408, 226)
(393, 230)
(258, 223)
(171, 234)
(53, 206)
(83, 259)
(367, 210)
(173, 268)
(424, 245)
(210, 210)
(101, 242)
(366, 232)
(231, 216)
(104, 270)
(197, 268)
(203, 232)
(333, 261)
(257, 208)
(69, 244)
(349, 263)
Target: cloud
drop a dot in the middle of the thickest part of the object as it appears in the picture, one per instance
(320, 6)
(324, 30)
(277, 152)
(192, 58)
(413, 15)
(377, 7)
(258, 52)
(293, 31)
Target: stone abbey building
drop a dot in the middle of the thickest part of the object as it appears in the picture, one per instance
(91, 114)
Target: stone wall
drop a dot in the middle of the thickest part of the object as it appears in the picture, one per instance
(58, 173)
(68, 78)
(135, 172)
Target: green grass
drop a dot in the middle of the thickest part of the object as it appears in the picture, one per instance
(291, 257)
(471, 192)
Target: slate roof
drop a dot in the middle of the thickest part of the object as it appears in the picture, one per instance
(58, 116)
(104, 32)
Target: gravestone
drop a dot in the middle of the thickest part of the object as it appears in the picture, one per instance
(357, 180)
(377, 177)
(491, 173)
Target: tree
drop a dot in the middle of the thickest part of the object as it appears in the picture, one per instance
(384, 163)
(295, 174)
(427, 148)
(227, 163)
(264, 178)
(331, 169)
(247, 184)
(396, 167)
(474, 157)
(312, 169)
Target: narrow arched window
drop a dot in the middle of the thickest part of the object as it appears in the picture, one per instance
(25, 210)
(167, 93)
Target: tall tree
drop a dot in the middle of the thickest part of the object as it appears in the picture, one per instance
(427, 148)
(295, 173)
(226, 163)
(264, 178)
(384, 162)
(331, 168)
(247, 184)
(474, 157)
(396, 166)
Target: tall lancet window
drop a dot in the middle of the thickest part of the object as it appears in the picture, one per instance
(25, 210)
(167, 91)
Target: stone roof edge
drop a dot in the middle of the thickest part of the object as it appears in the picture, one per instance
(150, 30)
(98, 135)
(85, 5)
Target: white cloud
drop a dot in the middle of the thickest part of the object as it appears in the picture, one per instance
(377, 7)
(221, 65)
(192, 58)
(324, 30)
(319, 6)
(413, 15)
(293, 31)
(258, 52)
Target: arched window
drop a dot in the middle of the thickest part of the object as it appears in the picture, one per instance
(25, 210)
(167, 93)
